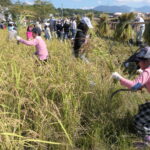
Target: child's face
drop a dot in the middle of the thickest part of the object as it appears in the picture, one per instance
(34, 35)
(144, 64)
(30, 28)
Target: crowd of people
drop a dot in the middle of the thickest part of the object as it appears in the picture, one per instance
(61, 29)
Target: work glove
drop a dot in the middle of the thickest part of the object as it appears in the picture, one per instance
(18, 38)
(116, 75)
(139, 71)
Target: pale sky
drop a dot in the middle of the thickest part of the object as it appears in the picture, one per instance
(85, 4)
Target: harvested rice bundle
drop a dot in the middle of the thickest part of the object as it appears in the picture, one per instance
(147, 34)
(124, 31)
(103, 27)
(91, 16)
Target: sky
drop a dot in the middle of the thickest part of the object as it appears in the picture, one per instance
(87, 4)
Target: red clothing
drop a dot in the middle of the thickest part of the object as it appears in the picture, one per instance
(29, 35)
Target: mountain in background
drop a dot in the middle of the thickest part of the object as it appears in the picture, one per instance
(143, 9)
(123, 8)
(113, 9)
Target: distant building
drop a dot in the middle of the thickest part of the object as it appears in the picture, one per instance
(147, 14)
(116, 14)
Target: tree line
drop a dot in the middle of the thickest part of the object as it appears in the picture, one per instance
(41, 9)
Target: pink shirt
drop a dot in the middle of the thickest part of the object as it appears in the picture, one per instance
(29, 35)
(41, 48)
(143, 79)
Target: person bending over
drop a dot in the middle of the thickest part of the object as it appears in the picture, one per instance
(38, 42)
(142, 119)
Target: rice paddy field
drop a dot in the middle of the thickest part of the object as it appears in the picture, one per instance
(65, 104)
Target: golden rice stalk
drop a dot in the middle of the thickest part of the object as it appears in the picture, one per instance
(63, 128)
(31, 140)
(21, 18)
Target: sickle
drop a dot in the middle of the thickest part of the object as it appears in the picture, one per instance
(117, 91)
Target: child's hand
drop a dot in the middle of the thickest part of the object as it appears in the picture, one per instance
(116, 75)
(18, 38)
(139, 71)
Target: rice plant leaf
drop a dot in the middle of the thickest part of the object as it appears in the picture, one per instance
(67, 135)
(31, 140)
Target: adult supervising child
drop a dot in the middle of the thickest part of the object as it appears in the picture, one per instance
(38, 42)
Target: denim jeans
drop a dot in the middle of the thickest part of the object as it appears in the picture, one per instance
(73, 32)
(66, 35)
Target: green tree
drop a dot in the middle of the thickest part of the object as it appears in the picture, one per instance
(40, 9)
(43, 8)
(5, 2)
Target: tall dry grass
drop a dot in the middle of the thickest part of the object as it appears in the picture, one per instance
(54, 106)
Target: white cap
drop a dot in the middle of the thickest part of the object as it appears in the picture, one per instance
(37, 23)
(67, 21)
(87, 21)
(46, 24)
(11, 22)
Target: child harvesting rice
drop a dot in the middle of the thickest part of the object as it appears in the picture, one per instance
(142, 119)
(38, 42)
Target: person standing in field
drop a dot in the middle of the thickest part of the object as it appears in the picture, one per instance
(12, 33)
(52, 26)
(142, 119)
(47, 32)
(81, 39)
(38, 42)
(59, 29)
(66, 27)
(2, 25)
(73, 28)
(29, 32)
(140, 28)
(38, 25)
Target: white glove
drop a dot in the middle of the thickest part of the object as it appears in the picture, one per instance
(116, 75)
(87, 36)
(139, 71)
(18, 38)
